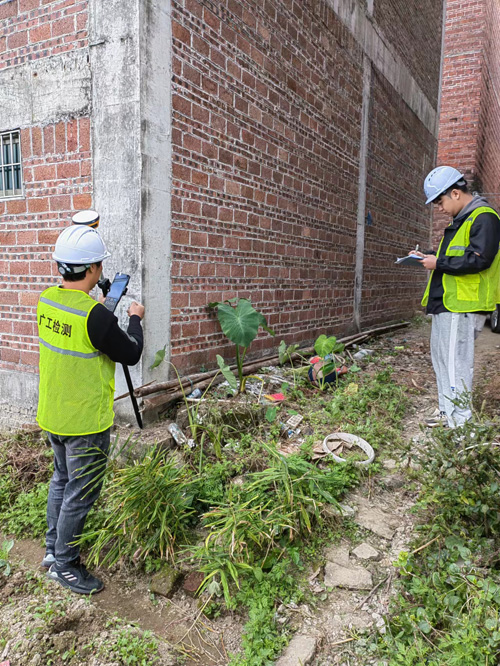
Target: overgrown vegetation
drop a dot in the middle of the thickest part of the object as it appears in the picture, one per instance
(243, 513)
(448, 609)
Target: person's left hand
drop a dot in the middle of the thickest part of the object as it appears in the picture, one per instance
(429, 261)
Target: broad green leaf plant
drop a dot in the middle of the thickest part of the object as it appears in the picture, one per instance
(240, 323)
(328, 347)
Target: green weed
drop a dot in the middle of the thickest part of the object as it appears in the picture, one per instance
(149, 505)
(448, 609)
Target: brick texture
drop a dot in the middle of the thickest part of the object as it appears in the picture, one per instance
(267, 103)
(57, 170)
(469, 132)
(266, 126)
(35, 29)
(57, 181)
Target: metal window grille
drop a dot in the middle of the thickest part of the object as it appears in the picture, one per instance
(11, 177)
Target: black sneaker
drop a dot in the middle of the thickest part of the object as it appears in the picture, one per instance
(75, 577)
(48, 560)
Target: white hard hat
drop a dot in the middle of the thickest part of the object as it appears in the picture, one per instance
(79, 245)
(439, 180)
(87, 217)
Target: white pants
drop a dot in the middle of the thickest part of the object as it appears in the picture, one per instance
(452, 352)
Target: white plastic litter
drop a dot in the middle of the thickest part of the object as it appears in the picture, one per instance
(350, 440)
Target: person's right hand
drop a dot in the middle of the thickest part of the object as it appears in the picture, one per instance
(416, 253)
(136, 308)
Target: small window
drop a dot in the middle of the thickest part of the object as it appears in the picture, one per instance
(11, 183)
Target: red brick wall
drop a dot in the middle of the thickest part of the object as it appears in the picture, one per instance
(34, 29)
(488, 148)
(56, 174)
(469, 133)
(401, 152)
(266, 128)
(267, 103)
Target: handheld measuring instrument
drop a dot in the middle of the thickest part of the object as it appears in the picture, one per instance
(117, 289)
(113, 291)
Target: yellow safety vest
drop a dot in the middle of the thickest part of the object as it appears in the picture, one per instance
(77, 381)
(474, 292)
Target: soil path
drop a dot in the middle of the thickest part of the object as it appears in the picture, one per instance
(381, 511)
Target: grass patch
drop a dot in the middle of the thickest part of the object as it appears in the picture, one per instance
(448, 608)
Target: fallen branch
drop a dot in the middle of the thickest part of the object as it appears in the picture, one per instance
(417, 550)
(370, 595)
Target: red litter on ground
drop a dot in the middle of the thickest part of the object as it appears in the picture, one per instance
(5, 663)
(273, 397)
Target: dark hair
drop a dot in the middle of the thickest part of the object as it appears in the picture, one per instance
(68, 276)
(460, 185)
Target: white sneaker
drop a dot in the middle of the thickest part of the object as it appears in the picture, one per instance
(438, 419)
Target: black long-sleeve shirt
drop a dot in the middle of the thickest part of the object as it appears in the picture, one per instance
(483, 246)
(109, 338)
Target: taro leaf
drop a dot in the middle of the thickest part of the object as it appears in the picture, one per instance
(324, 346)
(159, 356)
(241, 323)
(263, 323)
(227, 373)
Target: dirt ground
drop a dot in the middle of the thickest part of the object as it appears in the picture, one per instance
(187, 638)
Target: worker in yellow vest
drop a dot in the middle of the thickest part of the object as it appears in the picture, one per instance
(462, 289)
(80, 341)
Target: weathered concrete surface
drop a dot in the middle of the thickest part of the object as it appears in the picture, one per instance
(338, 555)
(353, 578)
(366, 552)
(377, 521)
(45, 90)
(163, 581)
(18, 398)
(300, 651)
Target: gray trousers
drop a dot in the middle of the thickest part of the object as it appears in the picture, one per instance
(73, 489)
(452, 352)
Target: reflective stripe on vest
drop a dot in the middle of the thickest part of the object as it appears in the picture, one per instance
(473, 292)
(76, 379)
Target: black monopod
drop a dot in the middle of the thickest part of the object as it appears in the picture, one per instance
(112, 291)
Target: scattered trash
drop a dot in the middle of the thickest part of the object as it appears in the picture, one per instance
(274, 397)
(315, 373)
(191, 443)
(363, 353)
(286, 431)
(335, 443)
(177, 434)
(317, 359)
(294, 420)
(5, 663)
(195, 394)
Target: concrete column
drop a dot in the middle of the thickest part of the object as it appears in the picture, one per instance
(363, 159)
(156, 178)
(130, 58)
(116, 143)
